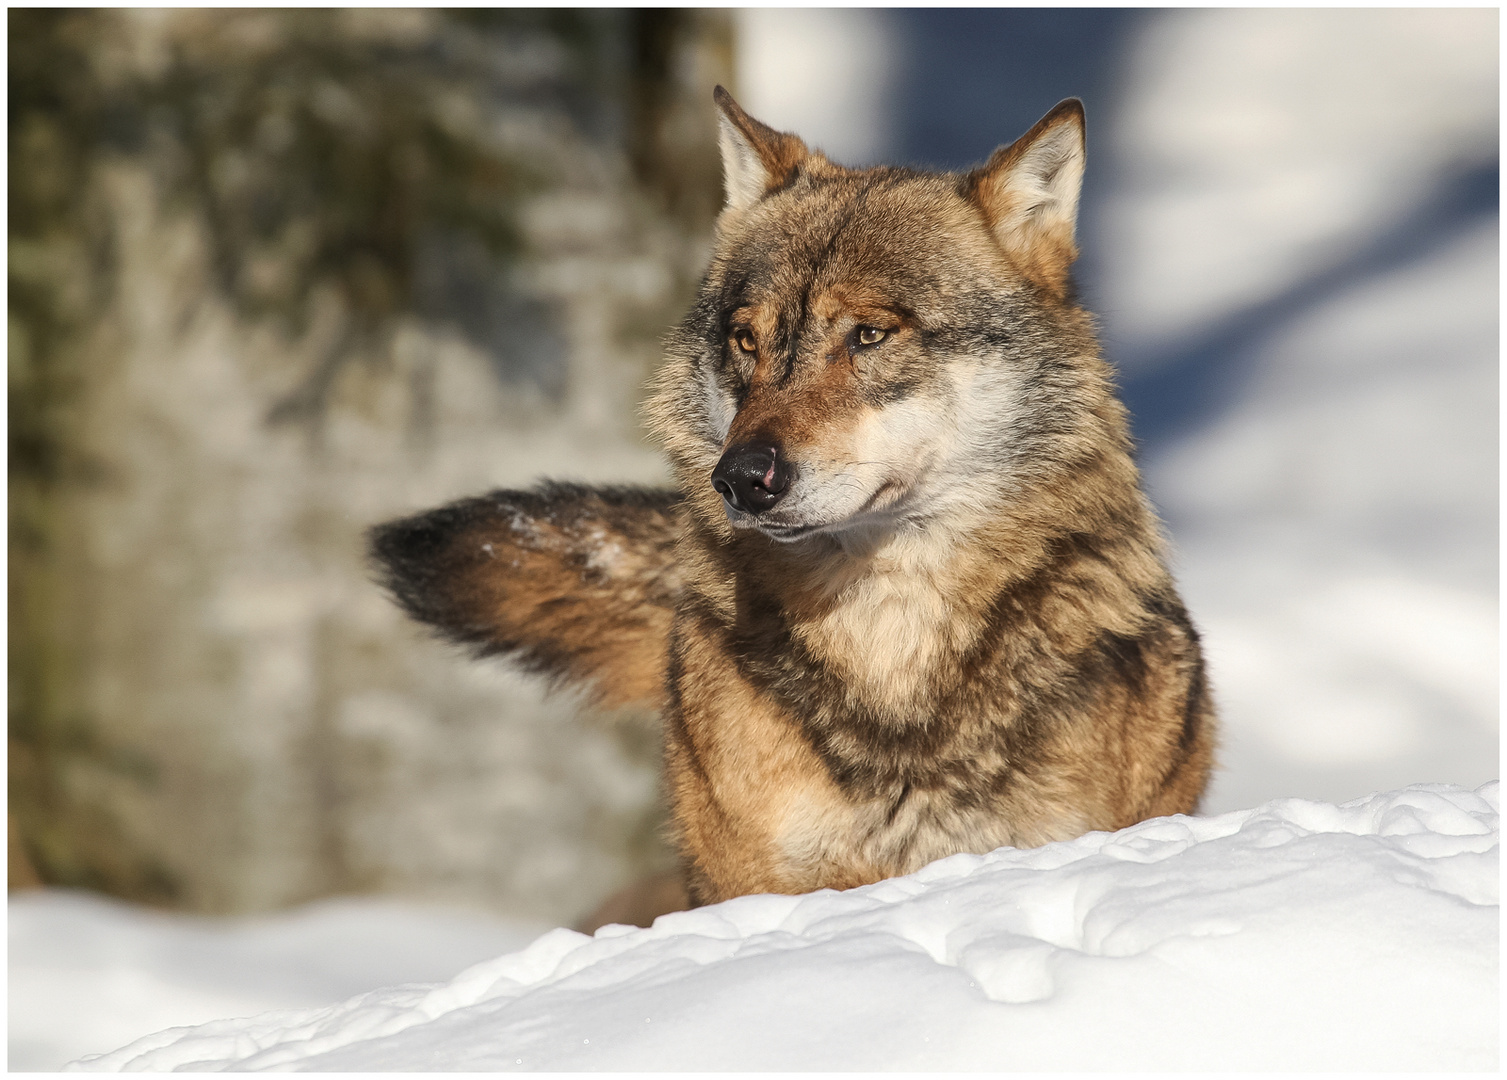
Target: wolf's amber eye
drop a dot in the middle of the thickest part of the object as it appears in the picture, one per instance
(744, 340)
(871, 335)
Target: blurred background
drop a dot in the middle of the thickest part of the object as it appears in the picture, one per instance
(276, 276)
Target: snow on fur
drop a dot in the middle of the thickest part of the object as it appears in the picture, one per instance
(1298, 935)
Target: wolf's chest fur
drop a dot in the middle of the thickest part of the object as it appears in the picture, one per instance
(907, 599)
(918, 708)
(885, 628)
(846, 735)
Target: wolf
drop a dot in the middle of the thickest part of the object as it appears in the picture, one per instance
(906, 597)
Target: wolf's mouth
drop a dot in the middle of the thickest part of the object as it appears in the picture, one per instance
(786, 533)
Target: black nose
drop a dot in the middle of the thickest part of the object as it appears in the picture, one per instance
(752, 477)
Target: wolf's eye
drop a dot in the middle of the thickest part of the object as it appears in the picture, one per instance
(745, 341)
(871, 335)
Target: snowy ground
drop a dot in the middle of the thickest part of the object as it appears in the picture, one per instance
(1298, 935)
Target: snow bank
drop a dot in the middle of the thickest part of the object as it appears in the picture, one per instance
(1299, 935)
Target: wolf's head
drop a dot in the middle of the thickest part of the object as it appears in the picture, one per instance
(875, 347)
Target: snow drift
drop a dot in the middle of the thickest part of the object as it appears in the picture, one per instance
(1298, 935)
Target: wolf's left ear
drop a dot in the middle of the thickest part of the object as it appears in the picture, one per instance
(1028, 192)
(756, 158)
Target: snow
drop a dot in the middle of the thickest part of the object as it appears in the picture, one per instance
(1259, 143)
(88, 974)
(1297, 935)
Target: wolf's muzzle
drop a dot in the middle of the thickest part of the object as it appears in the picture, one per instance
(752, 477)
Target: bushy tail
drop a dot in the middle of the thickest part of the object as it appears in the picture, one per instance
(578, 583)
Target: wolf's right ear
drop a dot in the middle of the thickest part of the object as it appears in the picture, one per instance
(756, 158)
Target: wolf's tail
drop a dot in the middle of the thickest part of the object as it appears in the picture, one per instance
(578, 583)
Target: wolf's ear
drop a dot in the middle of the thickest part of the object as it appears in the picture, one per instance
(1029, 194)
(756, 158)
